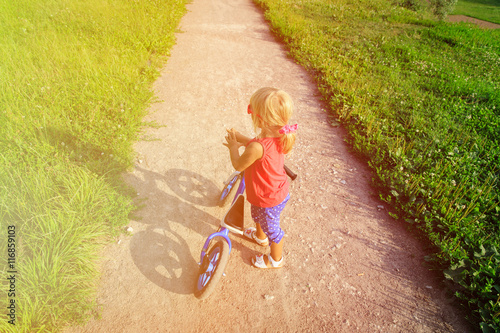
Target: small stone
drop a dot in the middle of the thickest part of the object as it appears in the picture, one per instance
(268, 297)
(129, 229)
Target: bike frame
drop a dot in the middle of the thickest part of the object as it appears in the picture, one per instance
(223, 231)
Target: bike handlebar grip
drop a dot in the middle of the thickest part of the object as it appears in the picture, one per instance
(290, 173)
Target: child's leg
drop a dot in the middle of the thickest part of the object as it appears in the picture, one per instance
(260, 234)
(277, 250)
(270, 219)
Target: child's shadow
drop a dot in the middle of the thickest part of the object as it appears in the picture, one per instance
(161, 252)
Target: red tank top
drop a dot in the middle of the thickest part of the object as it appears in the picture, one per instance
(266, 180)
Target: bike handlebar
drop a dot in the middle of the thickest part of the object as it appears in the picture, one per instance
(290, 173)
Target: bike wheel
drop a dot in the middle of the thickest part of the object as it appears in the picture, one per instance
(226, 190)
(211, 269)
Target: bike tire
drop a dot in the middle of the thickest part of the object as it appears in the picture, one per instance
(224, 194)
(211, 269)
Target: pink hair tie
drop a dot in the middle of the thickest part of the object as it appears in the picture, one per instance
(289, 129)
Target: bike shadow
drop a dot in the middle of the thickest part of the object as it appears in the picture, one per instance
(161, 251)
(192, 187)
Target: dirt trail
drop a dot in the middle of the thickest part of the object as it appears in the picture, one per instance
(480, 23)
(349, 266)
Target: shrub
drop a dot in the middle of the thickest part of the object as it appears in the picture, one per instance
(442, 8)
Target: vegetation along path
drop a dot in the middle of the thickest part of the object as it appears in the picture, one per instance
(349, 265)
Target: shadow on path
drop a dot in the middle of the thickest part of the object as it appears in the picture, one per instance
(161, 252)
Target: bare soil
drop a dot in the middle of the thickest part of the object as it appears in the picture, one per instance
(349, 265)
(479, 23)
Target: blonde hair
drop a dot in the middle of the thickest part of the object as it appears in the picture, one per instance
(273, 108)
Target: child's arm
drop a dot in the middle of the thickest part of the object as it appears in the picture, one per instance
(253, 152)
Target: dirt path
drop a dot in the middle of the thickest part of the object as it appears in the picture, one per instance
(479, 23)
(349, 266)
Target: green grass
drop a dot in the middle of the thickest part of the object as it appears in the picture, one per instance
(486, 10)
(75, 81)
(420, 100)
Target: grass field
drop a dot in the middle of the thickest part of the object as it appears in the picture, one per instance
(486, 10)
(420, 99)
(75, 81)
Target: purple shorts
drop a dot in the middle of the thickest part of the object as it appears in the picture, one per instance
(269, 220)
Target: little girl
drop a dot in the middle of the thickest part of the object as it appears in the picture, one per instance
(263, 161)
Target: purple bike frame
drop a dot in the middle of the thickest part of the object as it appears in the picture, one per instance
(224, 232)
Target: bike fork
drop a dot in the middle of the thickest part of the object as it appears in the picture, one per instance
(224, 233)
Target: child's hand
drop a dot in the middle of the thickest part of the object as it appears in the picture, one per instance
(232, 130)
(231, 139)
